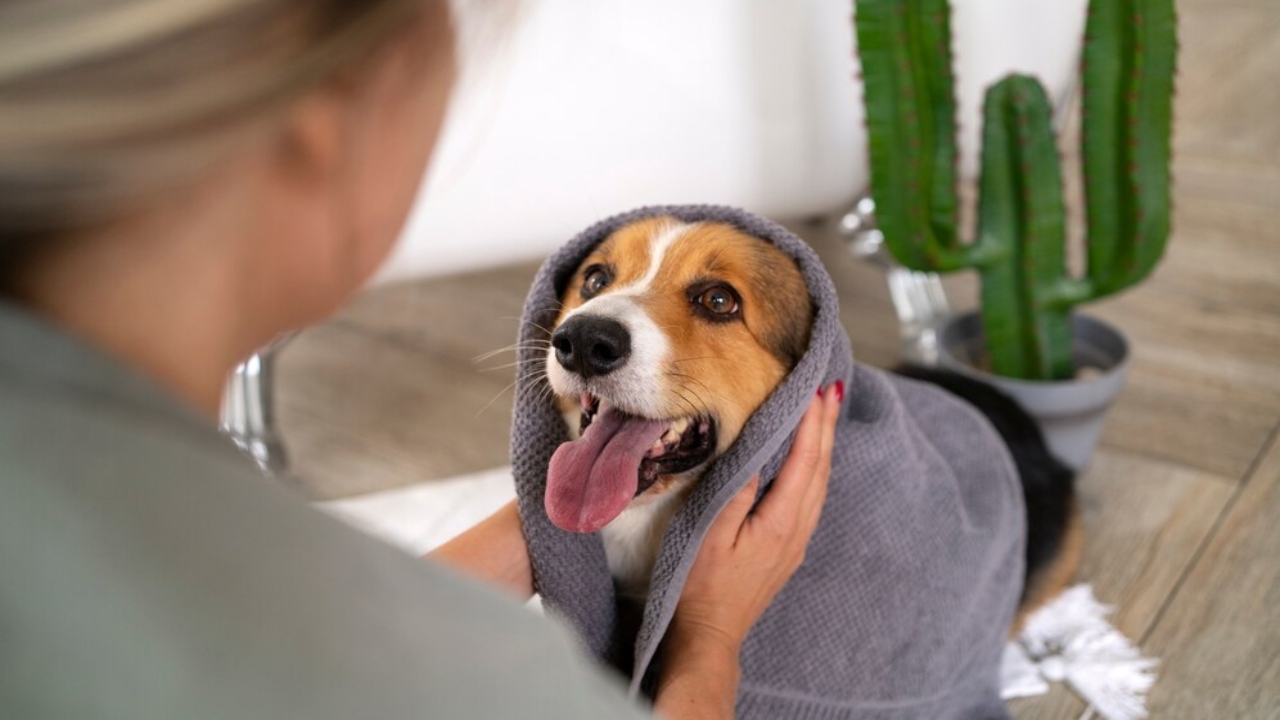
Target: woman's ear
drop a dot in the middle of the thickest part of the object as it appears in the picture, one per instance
(346, 160)
(311, 140)
(304, 214)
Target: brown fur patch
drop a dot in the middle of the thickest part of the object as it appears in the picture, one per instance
(1053, 578)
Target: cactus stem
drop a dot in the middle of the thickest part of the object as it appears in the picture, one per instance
(1127, 68)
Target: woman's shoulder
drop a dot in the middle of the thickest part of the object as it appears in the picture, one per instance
(146, 566)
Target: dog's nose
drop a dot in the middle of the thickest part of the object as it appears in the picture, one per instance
(591, 345)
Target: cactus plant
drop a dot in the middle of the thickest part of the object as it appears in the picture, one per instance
(1019, 251)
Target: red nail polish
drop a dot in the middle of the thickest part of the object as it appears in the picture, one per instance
(819, 393)
(839, 391)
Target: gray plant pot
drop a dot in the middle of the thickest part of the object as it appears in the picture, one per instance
(1070, 412)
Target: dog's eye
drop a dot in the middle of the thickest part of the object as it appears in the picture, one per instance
(719, 301)
(596, 279)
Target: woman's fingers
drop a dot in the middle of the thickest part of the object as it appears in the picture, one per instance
(782, 503)
(748, 556)
(729, 523)
(817, 490)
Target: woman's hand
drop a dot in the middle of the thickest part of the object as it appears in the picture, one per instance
(493, 552)
(744, 562)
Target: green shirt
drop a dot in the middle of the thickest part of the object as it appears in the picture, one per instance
(147, 570)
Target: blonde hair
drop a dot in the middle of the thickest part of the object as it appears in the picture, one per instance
(105, 102)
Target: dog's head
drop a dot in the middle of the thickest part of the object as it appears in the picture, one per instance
(670, 336)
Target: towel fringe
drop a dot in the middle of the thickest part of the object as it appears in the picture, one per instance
(1070, 640)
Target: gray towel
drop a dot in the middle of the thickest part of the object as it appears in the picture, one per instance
(911, 580)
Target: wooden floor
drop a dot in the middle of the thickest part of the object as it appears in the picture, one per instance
(1182, 503)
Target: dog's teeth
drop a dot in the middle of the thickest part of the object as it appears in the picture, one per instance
(656, 449)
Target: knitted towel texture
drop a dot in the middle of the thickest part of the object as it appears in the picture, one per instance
(902, 606)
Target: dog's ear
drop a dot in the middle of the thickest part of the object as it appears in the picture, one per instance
(786, 301)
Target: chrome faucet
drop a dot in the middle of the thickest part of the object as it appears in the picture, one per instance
(918, 297)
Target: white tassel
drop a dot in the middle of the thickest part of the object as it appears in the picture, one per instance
(1070, 640)
(1019, 677)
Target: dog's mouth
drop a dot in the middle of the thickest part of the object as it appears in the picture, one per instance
(686, 443)
(618, 456)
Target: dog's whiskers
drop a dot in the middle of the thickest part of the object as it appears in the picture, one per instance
(704, 357)
(714, 394)
(501, 392)
(697, 396)
(693, 411)
(530, 379)
(527, 321)
(532, 345)
(517, 363)
(545, 393)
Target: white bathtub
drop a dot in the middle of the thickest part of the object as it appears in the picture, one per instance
(582, 108)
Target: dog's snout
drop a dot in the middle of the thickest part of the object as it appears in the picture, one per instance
(590, 345)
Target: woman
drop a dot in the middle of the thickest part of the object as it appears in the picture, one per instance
(181, 181)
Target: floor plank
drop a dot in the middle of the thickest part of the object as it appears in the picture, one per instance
(1182, 417)
(1227, 89)
(458, 316)
(362, 411)
(1218, 638)
(1058, 704)
(398, 390)
(1144, 521)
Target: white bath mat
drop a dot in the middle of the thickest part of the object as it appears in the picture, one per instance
(421, 517)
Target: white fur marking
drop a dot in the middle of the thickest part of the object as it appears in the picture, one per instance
(638, 386)
(658, 248)
(632, 540)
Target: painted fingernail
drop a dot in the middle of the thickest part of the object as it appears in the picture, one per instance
(839, 391)
(819, 393)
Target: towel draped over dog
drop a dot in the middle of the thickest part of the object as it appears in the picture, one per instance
(910, 581)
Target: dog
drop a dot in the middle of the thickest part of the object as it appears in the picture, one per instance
(669, 336)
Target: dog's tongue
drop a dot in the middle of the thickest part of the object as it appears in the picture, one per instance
(590, 480)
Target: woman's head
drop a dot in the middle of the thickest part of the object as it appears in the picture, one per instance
(112, 108)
